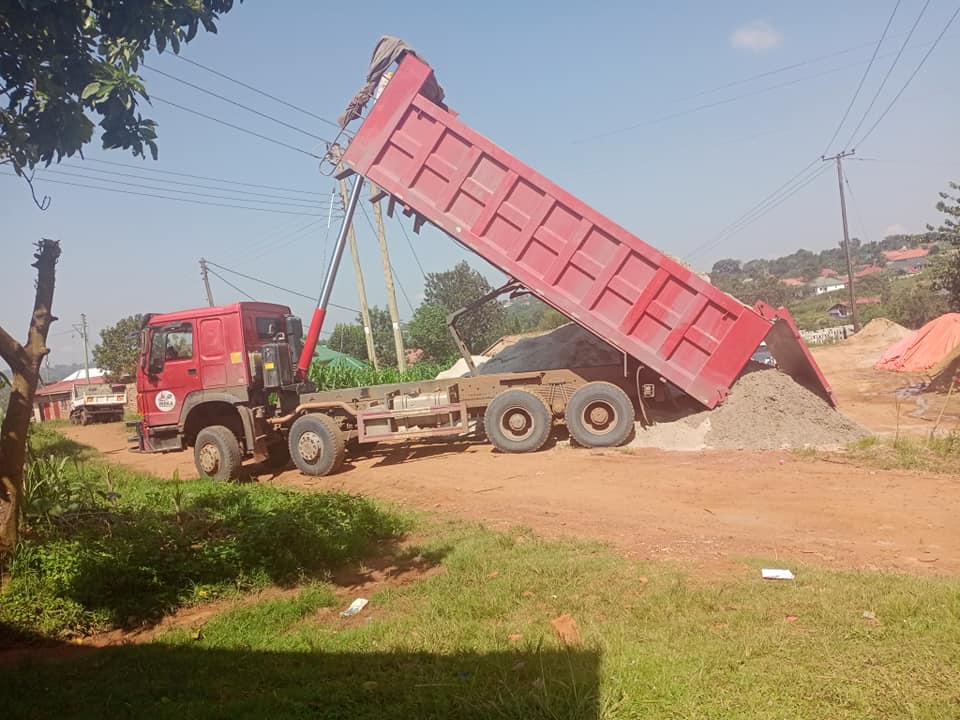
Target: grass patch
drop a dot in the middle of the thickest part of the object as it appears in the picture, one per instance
(654, 644)
(938, 454)
(105, 547)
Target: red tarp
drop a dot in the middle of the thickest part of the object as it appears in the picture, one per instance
(925, 348)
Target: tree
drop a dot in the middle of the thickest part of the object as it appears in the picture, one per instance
(62, 61)
(348, 338)
(914, 304)
(24, 361)
(946, 269)
(381, 325)
(119, 348)
(453, 289)
(428, 331)
(727, 266)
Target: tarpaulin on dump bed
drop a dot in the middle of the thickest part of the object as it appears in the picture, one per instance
(927, 347)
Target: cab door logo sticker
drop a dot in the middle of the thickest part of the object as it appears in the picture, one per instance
(166, 401)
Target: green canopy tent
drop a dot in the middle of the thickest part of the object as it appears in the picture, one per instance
(328, 357)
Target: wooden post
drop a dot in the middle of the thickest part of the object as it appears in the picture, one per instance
(388, 279)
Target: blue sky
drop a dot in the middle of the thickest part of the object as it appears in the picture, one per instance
(558, 85)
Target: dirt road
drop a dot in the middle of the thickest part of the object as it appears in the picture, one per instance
(706, 509)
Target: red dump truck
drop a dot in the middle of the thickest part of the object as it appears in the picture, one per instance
(672, 327)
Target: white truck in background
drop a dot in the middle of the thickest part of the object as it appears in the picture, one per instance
(97, 402)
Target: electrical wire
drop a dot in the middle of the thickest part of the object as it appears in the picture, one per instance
(236, 104)
(176, 199)
(202, 177)
(223, 279)
(856, 207)
(237, 127)
(779, 70)
(863, 78)
(318, 203)
(396, 278)
(277, 287)
(258, 91)
(723, 101)
(889, 72)
(761, 210)
(127, 183)
(912, 76)
(410, 245)
(286, 241)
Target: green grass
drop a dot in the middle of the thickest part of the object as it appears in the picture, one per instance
(672, 647)
(657, 641)
(336, 378)
(939, 454)
(105, 547)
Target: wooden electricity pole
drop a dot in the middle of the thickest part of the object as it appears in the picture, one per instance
(388, 278)
(206, 281)
(361, 288)
(838, 158)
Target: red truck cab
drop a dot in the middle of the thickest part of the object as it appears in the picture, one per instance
(213, 367)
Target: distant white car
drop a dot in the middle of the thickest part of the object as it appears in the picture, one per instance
(763, 356)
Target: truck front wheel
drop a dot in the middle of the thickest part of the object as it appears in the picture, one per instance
(517, 421)
(316, 445)
(600, 415)
(217, 453)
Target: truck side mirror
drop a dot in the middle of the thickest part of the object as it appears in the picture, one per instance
(294, 331)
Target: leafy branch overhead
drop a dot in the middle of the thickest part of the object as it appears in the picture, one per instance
(63, 62)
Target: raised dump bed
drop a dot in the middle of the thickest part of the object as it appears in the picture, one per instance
(572, 257)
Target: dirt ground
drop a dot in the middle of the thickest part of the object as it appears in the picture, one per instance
(706, 509)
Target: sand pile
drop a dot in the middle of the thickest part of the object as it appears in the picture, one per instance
(765, 410)
(878, 332)
(864, 349)
(566, 347)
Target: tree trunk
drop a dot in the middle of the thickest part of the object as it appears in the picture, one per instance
(24, 361)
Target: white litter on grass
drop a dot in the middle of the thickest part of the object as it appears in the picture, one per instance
(355, 607)
(776, 574)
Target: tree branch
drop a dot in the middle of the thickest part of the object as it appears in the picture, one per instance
(12, 352)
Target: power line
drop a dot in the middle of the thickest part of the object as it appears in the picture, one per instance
(176, 199)
(236, 104)
(285, 240)
(410, 244)
(863, 78)
(276, 287)
(258, 91)
(883, 83)
(723, 101)
(216, 274)
(127, 183)
(396, 278)
(777, 71)
(237, 127)
(203, 177)
(912, 75)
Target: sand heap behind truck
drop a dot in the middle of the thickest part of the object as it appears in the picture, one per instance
(557, 247)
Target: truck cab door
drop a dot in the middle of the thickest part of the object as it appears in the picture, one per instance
(171, 373)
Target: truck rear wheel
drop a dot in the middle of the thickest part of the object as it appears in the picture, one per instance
(600, 415)
(217, 453)
(517, 421)
(316, 445)
(84, 418)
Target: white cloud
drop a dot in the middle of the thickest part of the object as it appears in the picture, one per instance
(757, 36)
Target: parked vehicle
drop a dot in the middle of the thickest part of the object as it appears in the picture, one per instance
(97, 402)
(234, 385)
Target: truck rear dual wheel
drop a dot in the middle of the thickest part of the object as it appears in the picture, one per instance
(316, 444)
(216, 453)
(600, 414)
(517, 421)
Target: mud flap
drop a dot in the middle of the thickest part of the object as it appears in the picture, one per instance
(791, 352)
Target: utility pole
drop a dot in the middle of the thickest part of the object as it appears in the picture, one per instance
(82, 329)
(388, 278)
(838, 158)
(206, 281)
(355, 252)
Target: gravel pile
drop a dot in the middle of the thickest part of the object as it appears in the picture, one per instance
(566, 347)
(765, 410)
